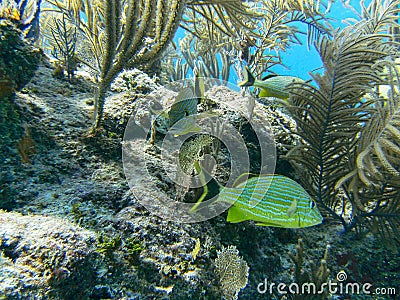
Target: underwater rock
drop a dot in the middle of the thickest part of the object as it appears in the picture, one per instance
(44, 257)
(101, 292)
(128, 87)
(10, 121)
(280, 123)
(156, 259)
(167, 264)
(18, 59)
(133, 80)
(117, 111)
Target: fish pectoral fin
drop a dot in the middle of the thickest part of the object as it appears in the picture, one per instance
(264, 93)
(235, 215)
(292, 209)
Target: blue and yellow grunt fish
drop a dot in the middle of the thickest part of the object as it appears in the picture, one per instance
(271, 85)
(271, 200)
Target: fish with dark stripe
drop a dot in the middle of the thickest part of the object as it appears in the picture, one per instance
(184, 105)
(271, 85)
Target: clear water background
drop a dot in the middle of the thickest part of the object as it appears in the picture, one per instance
(299, 60)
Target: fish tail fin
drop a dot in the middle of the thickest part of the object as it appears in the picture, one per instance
(248, 78)
(199, 87)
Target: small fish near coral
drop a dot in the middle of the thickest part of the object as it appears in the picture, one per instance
(182, 116)
(271, 200)
(184, 105)
(271, 85)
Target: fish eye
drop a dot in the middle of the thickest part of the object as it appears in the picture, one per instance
(312, 204)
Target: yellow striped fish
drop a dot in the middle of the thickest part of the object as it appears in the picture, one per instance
(271, 86)
(271, 200)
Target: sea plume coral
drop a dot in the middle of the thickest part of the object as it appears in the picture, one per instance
(129, 34)
(351, 152)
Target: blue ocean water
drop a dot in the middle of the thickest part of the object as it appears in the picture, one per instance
(299, 60)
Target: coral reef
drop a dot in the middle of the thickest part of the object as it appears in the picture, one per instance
(126, 48)
(75, 229)
(18, 64)
(44, 257)
(82, 183)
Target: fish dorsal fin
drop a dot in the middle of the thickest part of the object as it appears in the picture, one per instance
(240, 180)
(236, 215)
(269, 76)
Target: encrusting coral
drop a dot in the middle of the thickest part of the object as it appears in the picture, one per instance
(133, 35)
(137, 33)
(49, 257)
